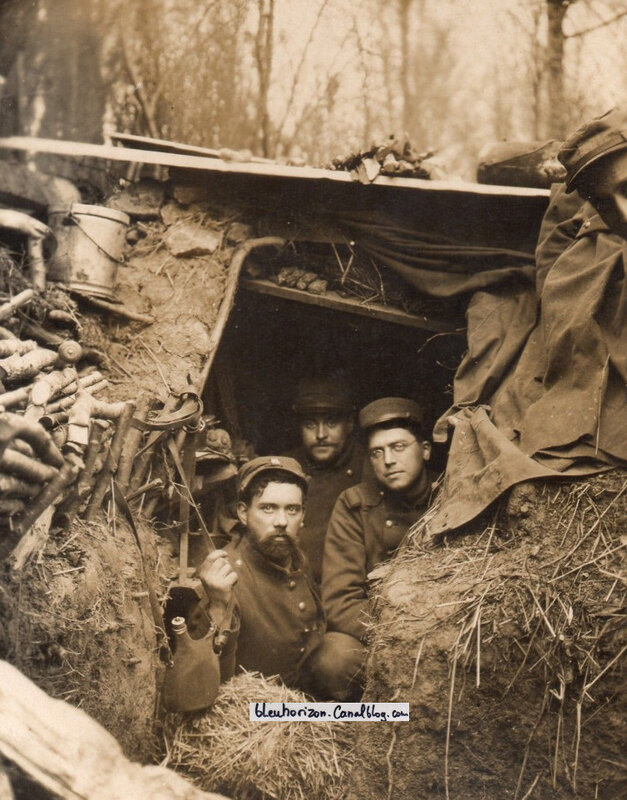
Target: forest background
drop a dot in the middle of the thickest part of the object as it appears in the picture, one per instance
(311, 79)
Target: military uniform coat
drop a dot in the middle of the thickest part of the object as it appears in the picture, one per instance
(366, 527)
(325, 486)
(278, 619)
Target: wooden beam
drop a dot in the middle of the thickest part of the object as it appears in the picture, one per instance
(348, 305)
(193, 162)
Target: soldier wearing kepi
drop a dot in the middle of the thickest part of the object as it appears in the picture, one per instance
(595, 157)
(370, 520)
(329, 453)
(277, 619)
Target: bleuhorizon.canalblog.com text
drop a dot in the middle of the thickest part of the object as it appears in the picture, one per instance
(329, 712)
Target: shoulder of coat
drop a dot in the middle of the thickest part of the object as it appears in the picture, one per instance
(361, 495)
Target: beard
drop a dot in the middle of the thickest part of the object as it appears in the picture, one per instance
(280, 549)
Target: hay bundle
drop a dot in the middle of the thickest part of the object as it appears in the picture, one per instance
(223, 751)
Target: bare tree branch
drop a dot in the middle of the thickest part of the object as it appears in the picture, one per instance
(361, 50)
(596, 27)
(322, 90)
(299, 68)
(195, 31)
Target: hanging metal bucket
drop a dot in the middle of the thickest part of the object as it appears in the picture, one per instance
(90, 243)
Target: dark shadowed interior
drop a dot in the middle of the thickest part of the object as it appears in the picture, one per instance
(270, 343)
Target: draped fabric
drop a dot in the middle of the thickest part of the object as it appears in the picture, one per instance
(542, 389)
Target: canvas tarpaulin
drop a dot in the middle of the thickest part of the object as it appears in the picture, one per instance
(541, 391)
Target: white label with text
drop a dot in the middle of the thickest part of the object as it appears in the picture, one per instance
(329, 712)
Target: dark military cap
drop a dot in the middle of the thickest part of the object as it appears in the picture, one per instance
(322, 394)
(592, 141)
(388, 408)
(256, 466)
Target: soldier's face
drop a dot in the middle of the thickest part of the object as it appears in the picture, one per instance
(397, 458)
(273, 520)
(605, 186)
(324, 436)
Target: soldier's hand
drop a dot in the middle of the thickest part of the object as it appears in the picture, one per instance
(217, 576)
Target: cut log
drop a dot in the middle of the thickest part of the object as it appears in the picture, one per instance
(70, 754)
(34, 540)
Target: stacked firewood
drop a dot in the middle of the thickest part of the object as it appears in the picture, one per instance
(53, 423)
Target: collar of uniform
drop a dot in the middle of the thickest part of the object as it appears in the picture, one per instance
(592, 223)
(261, 562)
(373, 494)
(371, 491)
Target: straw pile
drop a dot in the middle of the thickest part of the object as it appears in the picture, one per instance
(223, 751)
(508, 640)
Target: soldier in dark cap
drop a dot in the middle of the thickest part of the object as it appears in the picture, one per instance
(329, 453)
(595, 157)
(370, 520)
(257, 590)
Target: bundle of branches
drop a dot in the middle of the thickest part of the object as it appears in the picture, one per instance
(395, 157)
(52, 425)
(222, 750)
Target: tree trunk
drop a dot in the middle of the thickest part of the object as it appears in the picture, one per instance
(15, 19)
(403, 19)
(54, 87)
(556, 11)
(263, 56)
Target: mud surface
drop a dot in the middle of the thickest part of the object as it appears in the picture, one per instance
(507, 641)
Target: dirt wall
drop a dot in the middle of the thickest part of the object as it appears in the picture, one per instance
(77, 621)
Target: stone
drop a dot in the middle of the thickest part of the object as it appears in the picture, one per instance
(172, 212)
(141, 200)
(189, 239)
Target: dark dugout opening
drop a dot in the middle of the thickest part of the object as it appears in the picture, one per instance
(271, 342)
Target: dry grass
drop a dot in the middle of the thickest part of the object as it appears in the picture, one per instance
(555, 611)
(222, 750)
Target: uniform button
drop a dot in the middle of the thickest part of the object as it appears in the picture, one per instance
(238, 562)
(301, 650)
(586, 223)
(302, 605)
(306, 630)
(388, 523)
(292, 584)
(381, 492)
(349, 472)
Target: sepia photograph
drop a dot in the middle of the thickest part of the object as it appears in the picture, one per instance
(313, 399)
